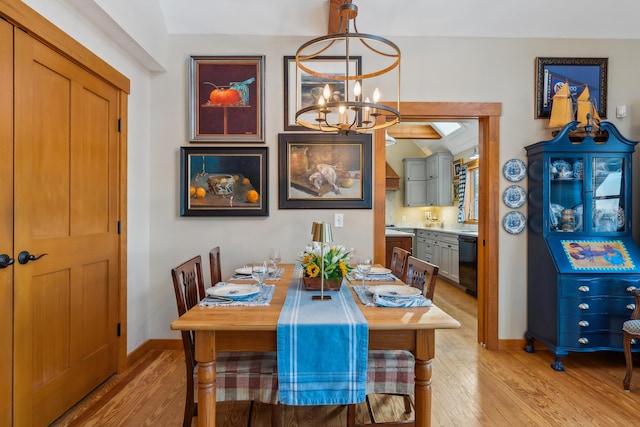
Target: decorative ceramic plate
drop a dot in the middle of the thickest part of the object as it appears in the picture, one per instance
(395, 291)
(233, 291)
(555, 213)
(514, 196)
(246, 271)
(514, 170)
(514, 222)
(379, 270)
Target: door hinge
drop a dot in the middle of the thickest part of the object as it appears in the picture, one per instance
(119, 227)
(118, 330)
(119, 125)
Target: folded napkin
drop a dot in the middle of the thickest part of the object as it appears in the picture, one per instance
(322, 348)
(371, 300)
(261, 298)
(272, 276)
(376, 277)
(417, 301)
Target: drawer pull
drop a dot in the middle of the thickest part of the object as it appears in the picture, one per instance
(584, 288)
(631, 307)
(583, 340)
(631, 289)
(583, 323)
(583, 306)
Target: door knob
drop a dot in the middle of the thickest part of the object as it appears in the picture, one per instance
(5, 261)
(24, 257)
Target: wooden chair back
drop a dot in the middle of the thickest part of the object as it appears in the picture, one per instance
(215, 266)
(422, 275)
(399, 259)
(189, 289)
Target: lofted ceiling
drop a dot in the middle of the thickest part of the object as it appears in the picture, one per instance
(460, 18)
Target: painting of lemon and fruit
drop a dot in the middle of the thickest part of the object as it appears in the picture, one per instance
(224, 181)
(227, 99)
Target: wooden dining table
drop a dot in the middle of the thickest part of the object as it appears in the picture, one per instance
(244, 328)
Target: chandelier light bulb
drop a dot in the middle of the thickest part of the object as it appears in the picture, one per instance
(357, 91)
(376, 96)
(326, 92)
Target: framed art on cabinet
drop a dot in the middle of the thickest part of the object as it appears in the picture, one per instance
(553, 73)
(226, 98)
(324, 171)
(302, 89)
(230, 181)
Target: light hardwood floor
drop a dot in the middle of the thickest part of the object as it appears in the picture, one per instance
(471, 387)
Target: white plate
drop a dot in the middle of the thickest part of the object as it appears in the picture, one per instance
(379, 270)
(246, 271)
(395, 291)
(233, 291)
(514, 222)
(514, 170)
(514, 196)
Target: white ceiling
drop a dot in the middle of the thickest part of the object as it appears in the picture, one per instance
(616, 19)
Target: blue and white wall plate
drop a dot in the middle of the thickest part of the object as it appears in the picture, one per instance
(514, 222)
(514, 170)
(514, 196)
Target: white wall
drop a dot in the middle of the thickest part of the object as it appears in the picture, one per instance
(433, 69)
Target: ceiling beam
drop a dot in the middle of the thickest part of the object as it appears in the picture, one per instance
(413, 131)
(334, 16)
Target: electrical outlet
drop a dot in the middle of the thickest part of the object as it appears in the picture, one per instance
(338, 220)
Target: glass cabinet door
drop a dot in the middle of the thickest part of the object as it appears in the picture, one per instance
(566, 204)
(608, 204)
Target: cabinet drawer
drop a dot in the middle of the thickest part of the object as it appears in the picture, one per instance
(448, 238)
(599, 286)
(585, 340)
(583, 323)
(605, 306)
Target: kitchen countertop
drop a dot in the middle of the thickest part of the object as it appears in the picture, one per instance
(394, 232)
(457, 231)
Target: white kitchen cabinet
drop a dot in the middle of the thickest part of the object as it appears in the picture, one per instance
(439, 177)
(415, 181)
(441, 249)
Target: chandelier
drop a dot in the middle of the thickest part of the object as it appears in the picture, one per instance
(347, 99)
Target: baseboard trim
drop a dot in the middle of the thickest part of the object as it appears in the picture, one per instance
(153, 344)
(513, 345)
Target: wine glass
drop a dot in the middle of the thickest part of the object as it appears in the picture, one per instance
(275, 258)
(259, 271)
(363, 266)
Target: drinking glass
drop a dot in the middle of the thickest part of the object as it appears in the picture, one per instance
(259, 271)
(363, 266)
(275, 258)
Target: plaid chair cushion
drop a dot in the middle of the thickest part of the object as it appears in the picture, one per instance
(632, 327)
(390, 372)
(248, 376)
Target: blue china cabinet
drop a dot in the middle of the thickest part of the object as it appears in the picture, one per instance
(583, 263)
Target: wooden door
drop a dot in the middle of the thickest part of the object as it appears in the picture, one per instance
(65, 206)
(6, 219)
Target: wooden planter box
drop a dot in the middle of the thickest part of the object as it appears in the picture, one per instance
(313, 284)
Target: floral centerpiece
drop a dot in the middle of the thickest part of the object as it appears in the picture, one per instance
(336, 266)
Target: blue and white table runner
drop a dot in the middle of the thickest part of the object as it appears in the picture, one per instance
(322, 348)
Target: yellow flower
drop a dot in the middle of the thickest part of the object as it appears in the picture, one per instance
(343, 268)
(312, 270)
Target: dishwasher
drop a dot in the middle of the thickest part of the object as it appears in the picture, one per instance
(468, 263)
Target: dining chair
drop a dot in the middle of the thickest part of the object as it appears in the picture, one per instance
(631, 330)
(399, 257)
(215, 265)
(248, 376)
(392, 372)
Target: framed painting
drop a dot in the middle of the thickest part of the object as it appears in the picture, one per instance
(324, 171)
(302, 89)
(230, 181)
(553, 73)
(456, 168)
(226, 99)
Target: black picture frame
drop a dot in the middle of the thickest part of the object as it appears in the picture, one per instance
(579, 72)
(227, 175)
(298, 86)
(226, 98)
(308, 163)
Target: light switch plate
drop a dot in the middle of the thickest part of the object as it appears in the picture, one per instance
(338, 220)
